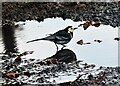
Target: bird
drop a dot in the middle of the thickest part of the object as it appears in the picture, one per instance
(117, 39)
(99, 41)
(64, 55)
(60, 37)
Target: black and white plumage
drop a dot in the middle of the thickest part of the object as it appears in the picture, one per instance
(60, 37)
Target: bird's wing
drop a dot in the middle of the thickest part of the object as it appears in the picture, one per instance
(61, 38)
(62, 35)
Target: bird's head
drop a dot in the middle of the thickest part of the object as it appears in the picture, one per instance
(70, 29)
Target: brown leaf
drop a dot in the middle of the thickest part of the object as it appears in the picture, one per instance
(80, 42)
(87, 24)
(10, 75)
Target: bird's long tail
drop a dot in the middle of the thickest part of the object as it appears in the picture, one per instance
(35, 40)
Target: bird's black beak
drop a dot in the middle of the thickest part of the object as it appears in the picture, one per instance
(75, 28)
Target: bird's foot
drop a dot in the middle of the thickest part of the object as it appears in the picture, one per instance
(63, 47)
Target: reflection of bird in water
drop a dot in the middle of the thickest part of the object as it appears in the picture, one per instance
(64, 55)
(99, 41)
(90, 23)
(117, 39)
(61, 37)
(80, 42)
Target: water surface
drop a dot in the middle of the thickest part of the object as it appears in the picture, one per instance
(105, 53)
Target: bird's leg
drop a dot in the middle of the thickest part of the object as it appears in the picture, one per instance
(63, 46)
(56, 46)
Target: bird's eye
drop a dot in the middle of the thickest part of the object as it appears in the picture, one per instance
(70, 30)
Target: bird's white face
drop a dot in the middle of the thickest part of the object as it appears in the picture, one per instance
(70, 30)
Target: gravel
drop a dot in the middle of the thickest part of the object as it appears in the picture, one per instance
(78, 73)
(106, 12)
